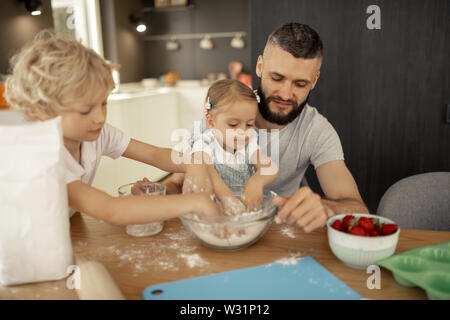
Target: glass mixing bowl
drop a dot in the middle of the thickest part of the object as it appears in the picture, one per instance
(232, 232)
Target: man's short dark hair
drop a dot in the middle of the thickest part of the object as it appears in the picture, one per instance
(298, 39)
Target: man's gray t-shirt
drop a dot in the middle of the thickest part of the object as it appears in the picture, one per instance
(309, 139)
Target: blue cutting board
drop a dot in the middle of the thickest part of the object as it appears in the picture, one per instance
(304, 280)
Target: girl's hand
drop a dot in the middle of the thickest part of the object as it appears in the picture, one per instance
(232, 205)
(253, 193)
(197, 180)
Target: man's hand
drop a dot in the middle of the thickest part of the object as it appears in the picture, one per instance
(305, 209)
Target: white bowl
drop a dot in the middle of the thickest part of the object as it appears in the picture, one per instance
(360, 252)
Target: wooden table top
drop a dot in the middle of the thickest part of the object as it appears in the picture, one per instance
(135, 263)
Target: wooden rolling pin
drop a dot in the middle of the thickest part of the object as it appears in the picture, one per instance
(96, 282)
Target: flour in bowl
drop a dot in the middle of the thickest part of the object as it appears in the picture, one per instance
(223, 235)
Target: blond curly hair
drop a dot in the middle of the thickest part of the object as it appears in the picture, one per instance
(50, 73)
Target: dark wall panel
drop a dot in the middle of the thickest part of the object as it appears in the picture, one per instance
(383, 90)
(191, 61)
(130, 48)
(18, 26)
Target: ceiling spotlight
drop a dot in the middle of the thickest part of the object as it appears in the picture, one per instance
(237, 41)
(141, 26)
(33, 6)
(207, 43)
(172, 45)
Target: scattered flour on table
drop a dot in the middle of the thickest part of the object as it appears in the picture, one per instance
(287, 231)
(178, 236)
(45, 290)
(169, 252)
(291, 260)
(193, 260)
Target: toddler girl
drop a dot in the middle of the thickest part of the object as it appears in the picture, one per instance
(230, 146)
(55, 77)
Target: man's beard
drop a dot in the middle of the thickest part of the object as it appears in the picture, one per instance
(275, 117)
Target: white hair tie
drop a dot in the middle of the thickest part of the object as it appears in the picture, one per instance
(257, 96)
(207, 106)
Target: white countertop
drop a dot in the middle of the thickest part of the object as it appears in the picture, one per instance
(136, 89)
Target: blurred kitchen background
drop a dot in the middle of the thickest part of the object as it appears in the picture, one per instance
(386, 91)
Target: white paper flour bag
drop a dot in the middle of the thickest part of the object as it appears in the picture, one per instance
(35, 243)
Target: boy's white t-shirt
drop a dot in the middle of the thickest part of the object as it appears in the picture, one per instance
(112, 142)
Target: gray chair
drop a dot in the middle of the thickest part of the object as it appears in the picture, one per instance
(419, 202)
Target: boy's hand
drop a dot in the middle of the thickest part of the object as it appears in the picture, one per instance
(137, 189)
(206, 206)
(253, 193)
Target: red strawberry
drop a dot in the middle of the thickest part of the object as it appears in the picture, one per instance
(347, 220)
(366, 224)
(378, 227)
(358, 231)
(388, 228)
(338, 225)
(373, 233)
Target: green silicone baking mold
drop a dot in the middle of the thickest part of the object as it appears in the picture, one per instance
(425, 267)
